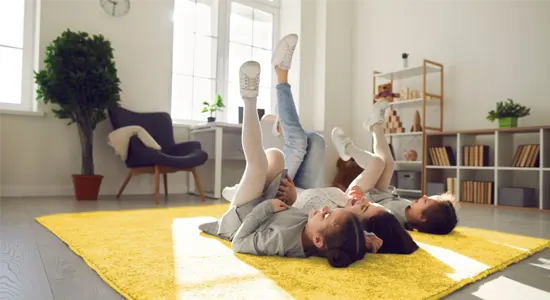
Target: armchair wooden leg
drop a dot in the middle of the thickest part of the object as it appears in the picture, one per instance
(198, 183)
(165, 180)
(123, 186)
(157, 183)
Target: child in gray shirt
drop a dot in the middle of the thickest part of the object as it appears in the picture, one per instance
(261, 226)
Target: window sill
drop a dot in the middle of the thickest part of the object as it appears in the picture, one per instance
(21, 112)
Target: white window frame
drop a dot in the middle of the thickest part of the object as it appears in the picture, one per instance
(30, 60)
(222, 64)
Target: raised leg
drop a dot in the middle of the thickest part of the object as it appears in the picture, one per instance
(123, 186)
(165, 181)
(311, 173)
(198, 183)
(295, 147)
(252, 183)
(382, 149)
(372, 164)
(295, 139)
(157, 183)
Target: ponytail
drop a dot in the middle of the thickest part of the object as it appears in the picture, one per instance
(345, 245)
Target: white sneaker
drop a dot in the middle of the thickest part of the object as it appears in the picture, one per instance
(275, 127)
(282, 56)
(341, 141)
(249, 79)
(377, 115)
(228, 192)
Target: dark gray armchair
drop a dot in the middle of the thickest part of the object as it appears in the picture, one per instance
(171, 158)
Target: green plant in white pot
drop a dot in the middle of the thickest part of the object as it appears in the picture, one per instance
(508, 112)
(213, 108)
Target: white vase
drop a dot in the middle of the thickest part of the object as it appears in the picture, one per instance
(405, 63)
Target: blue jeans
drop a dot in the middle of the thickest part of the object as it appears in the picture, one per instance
(304, 150)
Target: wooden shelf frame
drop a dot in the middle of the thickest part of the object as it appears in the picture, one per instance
(427, 67)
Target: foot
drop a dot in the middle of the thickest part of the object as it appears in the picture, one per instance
(377, 115)
(282, 56)
(249, 79)
(341, 141)
(228, 192)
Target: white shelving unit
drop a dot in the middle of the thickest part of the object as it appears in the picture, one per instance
(502, 144)
(430, 97)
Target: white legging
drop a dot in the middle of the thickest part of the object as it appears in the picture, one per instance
(261, 166)
(378, 166)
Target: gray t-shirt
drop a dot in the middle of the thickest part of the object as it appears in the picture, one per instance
(264, 232)
(393, 203)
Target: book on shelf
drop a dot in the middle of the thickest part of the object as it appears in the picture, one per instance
(526, 156)
(476, 155)
(442, 156)
(451, 185)
(477, 192)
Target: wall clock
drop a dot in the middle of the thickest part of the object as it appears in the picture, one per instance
(115, 8)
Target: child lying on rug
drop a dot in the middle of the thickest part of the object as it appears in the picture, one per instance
(434, 214)
(269, 226)
(389, 236)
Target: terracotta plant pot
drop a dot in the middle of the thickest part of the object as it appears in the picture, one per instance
(86, 187)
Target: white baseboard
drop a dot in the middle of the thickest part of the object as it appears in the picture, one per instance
(48, 191)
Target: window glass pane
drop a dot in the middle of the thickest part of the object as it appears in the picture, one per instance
(238, 54)
(12, 15)
(203, 90)
(264, 99)
(182, 56)
(205, 56)
(234, 100)
(11, 62)
(207, 17)
(241, 24)
(264, 58)
(184, 16)
(263, 29)
(182, 97)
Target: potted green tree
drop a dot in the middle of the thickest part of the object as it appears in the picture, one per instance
(213, 108)
(507, 113)
(80, 78)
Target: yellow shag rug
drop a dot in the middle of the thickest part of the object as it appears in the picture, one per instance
(160, 254)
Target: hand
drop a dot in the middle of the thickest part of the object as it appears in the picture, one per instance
(356, 192)
(278, 205)
(287, 191)
(373, 243)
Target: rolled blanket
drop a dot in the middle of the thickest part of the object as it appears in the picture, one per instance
(120, 139)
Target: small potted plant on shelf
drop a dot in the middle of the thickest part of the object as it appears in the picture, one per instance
(80, 78)
(507, 113)
(213, 108)
(405, 57)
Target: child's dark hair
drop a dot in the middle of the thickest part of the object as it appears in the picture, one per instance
(395, 239)
(440, 218)
(345, 245)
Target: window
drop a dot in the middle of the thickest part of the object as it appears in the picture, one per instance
(17, 18)
(212, 38)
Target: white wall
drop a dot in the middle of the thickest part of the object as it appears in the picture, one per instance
(38, 154)
(491, 50)
(337, 82)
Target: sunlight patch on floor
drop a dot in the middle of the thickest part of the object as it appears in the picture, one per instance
(464, 266)
(543, 263)
(503, 288)
(510, 246)
(227, 275)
